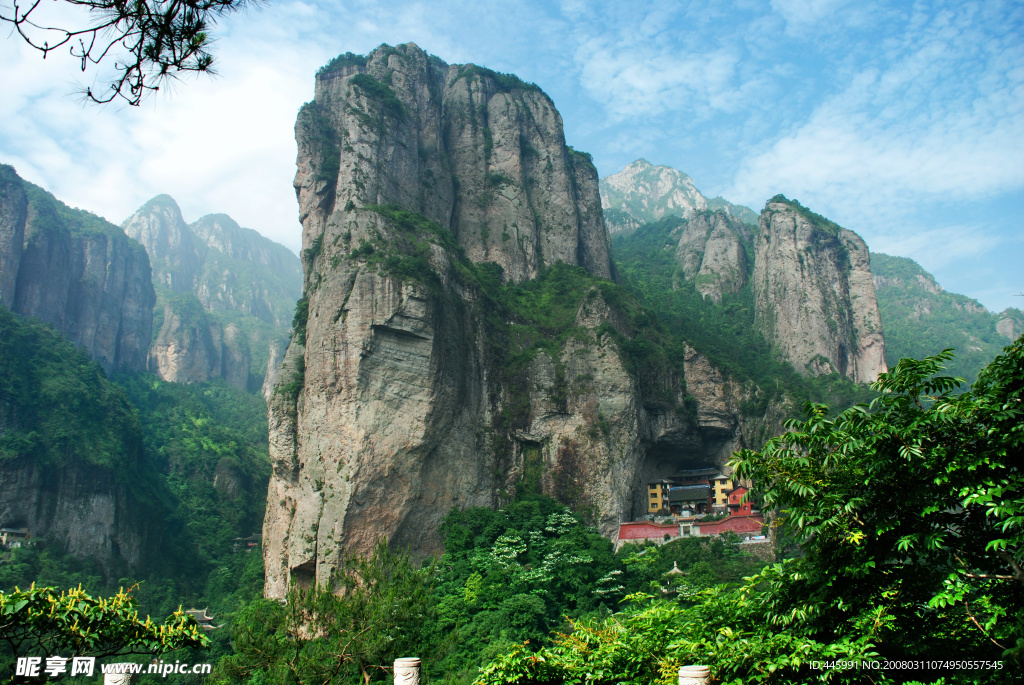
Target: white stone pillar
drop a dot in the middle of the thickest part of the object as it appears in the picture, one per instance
(407, 671)
(691, 675)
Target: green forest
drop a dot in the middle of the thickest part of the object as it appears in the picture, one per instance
(896, 510)
(530, 594)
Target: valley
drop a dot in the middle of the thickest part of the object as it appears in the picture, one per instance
(513, 394)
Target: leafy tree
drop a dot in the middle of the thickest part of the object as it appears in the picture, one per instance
(915, 503)
(910, 514)
(42, 620)
(377, 609)
(149, 40)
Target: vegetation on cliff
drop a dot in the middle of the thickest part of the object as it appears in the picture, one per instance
(909, 516)
(56, 405)
(725, 332)
(920, 317)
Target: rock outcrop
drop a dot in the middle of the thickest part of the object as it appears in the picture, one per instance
(411, 384)
(80, 506)
(225, 295)
(813, 294)
(643, 193)
(713, 252)
(76, 271)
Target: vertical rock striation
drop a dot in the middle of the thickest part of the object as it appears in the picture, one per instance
(409, 387)
(225, 295)
(813, 294)
(713, 252)
(75, 271)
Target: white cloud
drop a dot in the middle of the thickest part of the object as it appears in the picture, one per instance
(641, 62)
(944, 118)
(801, 13)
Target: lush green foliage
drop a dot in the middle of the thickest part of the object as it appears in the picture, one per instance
(911, 517)
(918, 318)
(51, 215)
(201, 483)
(209, 445)
(381, 92)
(377, 609)
(507, 577)
(57, 406)
(45, 621)
(916, 504)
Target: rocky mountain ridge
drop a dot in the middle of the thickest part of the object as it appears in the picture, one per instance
(643, 193)
(813, 296)
(225, 296)
(459, 338)
(75, 271)
(920, 318)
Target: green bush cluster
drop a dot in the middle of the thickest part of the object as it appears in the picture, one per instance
(347, 59)
(506, 83)
(381, 92)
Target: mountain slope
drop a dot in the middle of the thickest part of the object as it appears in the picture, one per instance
(225, 296)
(643, 193)
(920, 318)
(76, 271)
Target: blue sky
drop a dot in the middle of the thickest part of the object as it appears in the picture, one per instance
(902, 121)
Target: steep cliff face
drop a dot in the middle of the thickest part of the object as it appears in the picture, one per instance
(70, 449)
(425, 372)
(813, 294)
(82, 507)
(480, 153)
(75, 271)
(713, 252)
(225, 295)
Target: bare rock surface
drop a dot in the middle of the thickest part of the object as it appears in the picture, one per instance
(814, 296)
(76, 271)
(225, 296)
(394, 402)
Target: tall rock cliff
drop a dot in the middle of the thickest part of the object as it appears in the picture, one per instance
(813, 294)
(76, 271)
(225, 295)
(714, 252)
(459, 337)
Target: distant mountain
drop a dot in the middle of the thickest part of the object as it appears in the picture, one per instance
(920, 318)
(76, 271)
(225, 296)
(643, 192)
